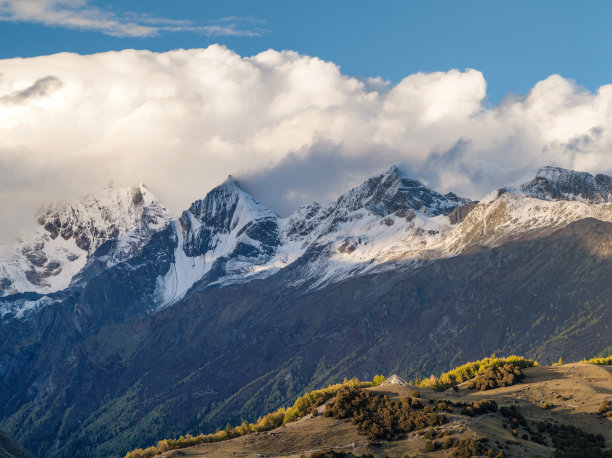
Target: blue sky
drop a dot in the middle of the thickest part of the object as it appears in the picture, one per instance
(514, 43)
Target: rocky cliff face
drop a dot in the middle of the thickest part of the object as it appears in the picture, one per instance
(95, 219)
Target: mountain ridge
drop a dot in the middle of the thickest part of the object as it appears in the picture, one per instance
(229, 236)
(557, 183)
(344, 292)
(226, 236)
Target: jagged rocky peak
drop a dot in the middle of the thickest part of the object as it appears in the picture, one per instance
(228, 217)
(556, 183)
(227, 206)
(96, 218)
(394, 191)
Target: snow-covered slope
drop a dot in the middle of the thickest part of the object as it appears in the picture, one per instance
(222, 236)
(390, 221)
(388, 216)
(511, 217)
(229, 237)
(67, 237)
(552, 199)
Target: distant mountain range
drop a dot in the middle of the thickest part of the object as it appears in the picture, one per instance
(225, 238)
(121, 324)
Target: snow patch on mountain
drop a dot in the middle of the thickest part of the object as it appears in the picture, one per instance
(183, 273)
(518, 216)
(44, 265)
(20, 307)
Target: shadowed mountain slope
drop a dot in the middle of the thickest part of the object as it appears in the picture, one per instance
(11, 449)
(226, 354)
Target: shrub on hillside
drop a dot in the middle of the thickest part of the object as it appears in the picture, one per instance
(470, 370)
(506, 375)
(570, 441)
(514, 416)
(379, 417)
(604, 409)
(480, 408)
(470, 447)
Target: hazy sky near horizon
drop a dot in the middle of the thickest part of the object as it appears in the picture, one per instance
(300, 100)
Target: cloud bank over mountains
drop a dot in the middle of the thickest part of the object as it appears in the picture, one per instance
(180, 121)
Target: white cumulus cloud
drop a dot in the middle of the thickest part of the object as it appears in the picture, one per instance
(293, 127)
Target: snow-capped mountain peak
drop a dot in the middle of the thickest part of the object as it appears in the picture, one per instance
(92, 220)
(220, 237)
(556, 183)
(226, 205)
(228, 237)
(227, 209)
(68, 235)
(393, 191)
